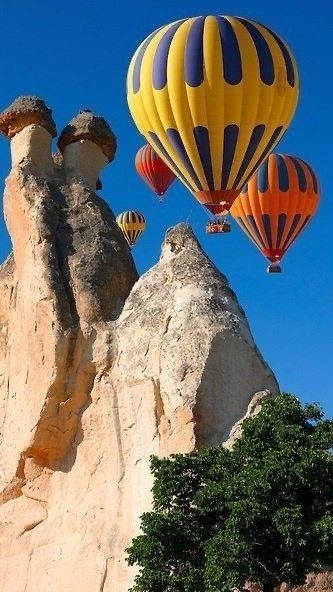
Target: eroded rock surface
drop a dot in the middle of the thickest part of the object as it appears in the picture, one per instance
(99, 370)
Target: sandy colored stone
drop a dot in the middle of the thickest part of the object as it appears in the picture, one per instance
(33, 142)
(99, 370)
(84, 160)
(25, 111)
(88, 126)
(252, 410)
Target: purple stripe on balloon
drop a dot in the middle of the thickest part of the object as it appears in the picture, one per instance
(266, 220)
(168, 158)
(269, 147)
(292, 229)
(252, 222)
(178, 145)
(262, 178)
(314, 178)
(282, 173)
(257, 237)
(281, 226)
(232, 61)
(266, 63)
(138, 62)
(256, 136)
(302, 226)
(229, 146)
(201, 136)
(194, 67)
(286, 56)
(300, 173)
(160, 64)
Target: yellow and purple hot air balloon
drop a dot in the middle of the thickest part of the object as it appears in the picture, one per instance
(276, 205)
(213, 96)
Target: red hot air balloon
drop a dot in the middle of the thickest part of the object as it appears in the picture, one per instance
(153, 170)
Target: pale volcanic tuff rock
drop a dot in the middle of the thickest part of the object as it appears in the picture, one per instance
(87, 144)
(24, 111)
(98, 371)
(87, 126)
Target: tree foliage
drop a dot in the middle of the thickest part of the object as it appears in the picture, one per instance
(262, 512)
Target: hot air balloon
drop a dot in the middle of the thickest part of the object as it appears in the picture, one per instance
(153, 170)
(213, 96)
(132, 225)
(276, 205)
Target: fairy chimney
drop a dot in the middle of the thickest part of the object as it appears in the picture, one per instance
(87, 144)
(28, 123)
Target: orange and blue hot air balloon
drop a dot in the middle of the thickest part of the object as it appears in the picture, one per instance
(153, 170)
(277, 204)
(213, 95)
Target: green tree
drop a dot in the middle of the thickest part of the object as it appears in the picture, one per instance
(262, 512)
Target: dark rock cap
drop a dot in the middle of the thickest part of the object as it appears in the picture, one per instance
(25, 111)
(87, 126)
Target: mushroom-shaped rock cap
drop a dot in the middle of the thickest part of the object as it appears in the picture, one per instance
(87, 126)
(25, 111)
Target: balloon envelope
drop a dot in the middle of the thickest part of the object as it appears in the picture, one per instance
(213, 96)
(153, 170)
(277, 204)
(132, 224)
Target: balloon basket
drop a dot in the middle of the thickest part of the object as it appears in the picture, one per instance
(274, 268)
(218, 227)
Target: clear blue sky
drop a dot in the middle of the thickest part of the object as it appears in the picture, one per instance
(75, 54)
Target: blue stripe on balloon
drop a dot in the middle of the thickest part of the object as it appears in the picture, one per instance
(313, 176)
(292, 229)
(300, 173)
(257, 134)
(286, 56)
(270, 145)
(242, 225)
(266, 63)
(266, 220)
(304, 223)
(244, 189)
(176, 141)
(138, 62)
(232, 61)
(201, 136)
(229, 146)
(194, 68)
(281, 226)
(168, 158)
(161, 57)
(254, 226)
(299, 230)
(282, 173)
(262, 177)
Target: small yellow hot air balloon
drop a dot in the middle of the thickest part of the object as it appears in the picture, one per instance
(213, 96)
(132, 225)
(276, 205)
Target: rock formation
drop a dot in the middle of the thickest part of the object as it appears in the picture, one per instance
(99, 369)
